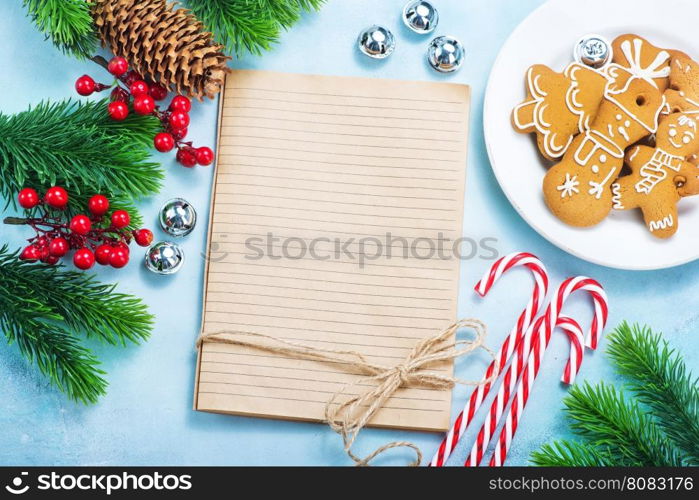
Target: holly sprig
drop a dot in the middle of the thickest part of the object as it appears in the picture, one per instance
(44, 309)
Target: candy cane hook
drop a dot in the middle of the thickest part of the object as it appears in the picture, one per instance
(496, 271)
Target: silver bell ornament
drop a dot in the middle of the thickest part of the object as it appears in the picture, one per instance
(376, 42)
(164, 258)
(420, 16)
(593, 51)
(178, 217)
(445, 54)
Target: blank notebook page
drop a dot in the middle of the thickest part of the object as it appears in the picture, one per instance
(328, 163)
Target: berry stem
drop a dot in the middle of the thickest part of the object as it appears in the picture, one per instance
(101, 61)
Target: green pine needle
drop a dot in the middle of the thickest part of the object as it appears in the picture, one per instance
(659, 378)
(44, 308)
(604, 417)
(77, 146)
(250, 25)
(571, 454)
(68, 23)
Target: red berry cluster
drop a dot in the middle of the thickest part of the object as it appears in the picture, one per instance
(130, 87)
(94, 237)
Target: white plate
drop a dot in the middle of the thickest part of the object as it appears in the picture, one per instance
(547, 36)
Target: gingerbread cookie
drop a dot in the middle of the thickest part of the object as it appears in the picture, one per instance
(577, 190)
(633, 51)
(683, 94)
(559, 106)
(661, 176)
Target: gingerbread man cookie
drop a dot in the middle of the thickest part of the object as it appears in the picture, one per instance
(661, 176)
(683, 94)
(577, 190)
(559, 106)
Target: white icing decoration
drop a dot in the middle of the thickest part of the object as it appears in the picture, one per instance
(569, 187)
(653, 70)
(595, 169)
(596, 141)
(635, 152)
(627, 124)
(572, 103)
(603, 158)
(663, 223)
(616, 196)
(597, 188)
(618, 118)
(654, 171)
(624, 133)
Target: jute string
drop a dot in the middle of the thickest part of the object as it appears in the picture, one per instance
(349, 417)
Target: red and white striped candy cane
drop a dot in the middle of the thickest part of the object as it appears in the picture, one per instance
(527, 316)
(539, 345)
(509, 381)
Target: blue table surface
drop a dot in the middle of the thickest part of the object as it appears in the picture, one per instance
(147, 417)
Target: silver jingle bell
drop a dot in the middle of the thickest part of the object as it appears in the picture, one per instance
(164, 258)
(593, 51)
(445, 54)
(177, 217)
(376, 41)
(420, 16)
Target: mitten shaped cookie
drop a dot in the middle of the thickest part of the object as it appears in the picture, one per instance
(559, 106)
(661, 176)
(577, 190)
(683, 94)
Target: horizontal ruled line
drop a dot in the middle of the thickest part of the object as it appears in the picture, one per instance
(371, 106)
(345, 134)
(324, 300)
(322, 113)
(356, 323)
(323, 162)
(326, 143)
(336, 282)
(266, 147)
(348, 95)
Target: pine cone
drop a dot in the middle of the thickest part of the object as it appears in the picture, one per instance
(162, 43)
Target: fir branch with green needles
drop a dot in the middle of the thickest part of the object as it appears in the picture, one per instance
(250, 25)
(78, 146)
(68, 23)
(659, 378)
(43, 309)
(653, 422)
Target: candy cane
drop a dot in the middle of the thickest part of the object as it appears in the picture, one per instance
(523, 322)
(509, 381)
(538, 348)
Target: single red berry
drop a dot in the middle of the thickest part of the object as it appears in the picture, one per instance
(180, 103)
(84, 259)
(80, 224)
(139, 87)
(178, 120)
(164, 142)
(143, 104)
(28, 198)
(118, 66)
(51, 260)
(102, 254)
(41, 242)
(58, 247)
(118, 110)
(179, 133)
(85, 85)
(30, 253)
(131, 77)
(56, 197)
(120, 219)
(118, 258)
(204, 155)
(122, 245)
(143, 237)
(119, 94)
(186, 157)
(44, 252)
(158, 92)
(98, 205)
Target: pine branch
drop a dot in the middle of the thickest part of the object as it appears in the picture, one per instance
(571, 454)
(42, 308)
(250, 25)
(661, 381)
(79, 147)
(602, 416)
(67, 23)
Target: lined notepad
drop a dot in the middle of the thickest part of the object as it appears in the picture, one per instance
(315, 161)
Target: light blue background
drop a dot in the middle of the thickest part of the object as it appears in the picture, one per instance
(146, 418)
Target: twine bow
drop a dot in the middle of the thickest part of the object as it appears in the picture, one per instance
(349, 417)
